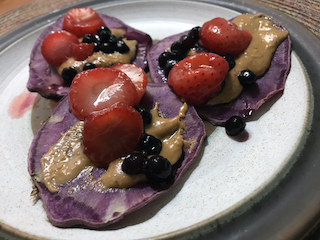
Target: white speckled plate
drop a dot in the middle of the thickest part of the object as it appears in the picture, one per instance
(230, 178)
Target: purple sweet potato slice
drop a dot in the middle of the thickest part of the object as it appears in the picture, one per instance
(44, 78)
(251, 98)
(89, 206)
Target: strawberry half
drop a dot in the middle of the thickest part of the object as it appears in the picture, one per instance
(81, 21)
(137, 75)
(99, 88)
(82, 51)
(198, 77)
(222, 37)
(112, 133)
(57, 47)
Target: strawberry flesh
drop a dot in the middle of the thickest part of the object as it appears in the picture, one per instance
(99, 88)
(137, 75)
(112, 133)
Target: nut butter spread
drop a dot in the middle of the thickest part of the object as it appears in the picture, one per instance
(114, 177)
(257, 57)
(65, 160)
(169, 132)
(101, 59)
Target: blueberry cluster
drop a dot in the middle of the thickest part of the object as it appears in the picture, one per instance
(103, 41)
(146, 158)
(106, 42)
(179, 50)
(68, 73)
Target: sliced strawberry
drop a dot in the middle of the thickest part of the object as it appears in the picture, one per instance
(99, 88)
(137, 75)
(112, 133)
(57, 47)
(82, 51)
(81, 21)
(198, 77)
(222, 37)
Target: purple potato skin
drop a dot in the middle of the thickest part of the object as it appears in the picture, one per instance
(44, 78)
(94, 208)
(251, 98)
(254, 96)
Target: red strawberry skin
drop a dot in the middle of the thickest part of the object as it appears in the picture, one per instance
(137, 75)
(82, 51)
(222, 36)
(57, 47)
(81, 21)
(198, 77)
(111, 133)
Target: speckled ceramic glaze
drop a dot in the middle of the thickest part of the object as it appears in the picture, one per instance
(226, 180)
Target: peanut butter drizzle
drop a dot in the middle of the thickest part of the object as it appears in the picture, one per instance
(65, 160)
(169, 132)
(257, 57)
(114, 177)
(102, 59)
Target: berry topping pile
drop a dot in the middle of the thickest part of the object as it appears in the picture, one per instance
(83, 23)
(53, 69)
(58, 46)
(107, 99)
(104, 98)
(198, 78)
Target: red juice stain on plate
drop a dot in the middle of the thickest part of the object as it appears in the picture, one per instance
(242, 137)
(21, 104)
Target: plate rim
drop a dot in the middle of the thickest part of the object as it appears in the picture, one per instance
(265, 204)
